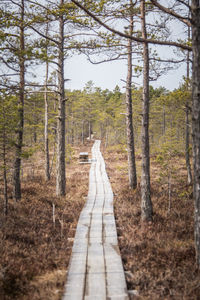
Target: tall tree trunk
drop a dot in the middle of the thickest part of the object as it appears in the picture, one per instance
(46, 121)
(5, 168)
(61, 176)
(146, 204)
(107, 134)
(5, 187)
(187, 127)
(129, 116)
(82, 133)
(187, 146)
(20, 126)
(89, 129)
(34, 123)
(164, 121)
(195, 10)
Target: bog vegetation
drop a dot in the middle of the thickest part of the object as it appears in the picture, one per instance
(149, 136)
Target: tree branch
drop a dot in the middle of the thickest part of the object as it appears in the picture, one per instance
(172, 13)
(136, 39)
(43, 35)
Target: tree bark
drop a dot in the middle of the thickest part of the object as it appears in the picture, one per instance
(187, 127)
(195, 10)
(187, 146)
(146, 204)
(61, 176)
(89, 129)
(20, 126)
(129, 115)
(46, 125)
(82, 132)
(164, 121)
(5, 168)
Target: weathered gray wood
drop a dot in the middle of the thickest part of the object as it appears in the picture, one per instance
(95, 270)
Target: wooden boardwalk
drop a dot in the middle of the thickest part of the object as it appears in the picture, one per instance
(95, 271)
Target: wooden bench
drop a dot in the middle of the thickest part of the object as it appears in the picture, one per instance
(83, 156)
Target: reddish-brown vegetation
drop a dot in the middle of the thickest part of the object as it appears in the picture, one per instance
(159, 257)
(35, 251)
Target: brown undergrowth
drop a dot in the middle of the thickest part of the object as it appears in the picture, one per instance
(159, 258)
(35, 250)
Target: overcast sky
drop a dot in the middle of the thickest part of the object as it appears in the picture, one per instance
(108, 75)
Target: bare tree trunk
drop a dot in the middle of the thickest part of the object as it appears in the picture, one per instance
(82, 133)
(34, 124)
(5, 169)
(195, 10)
(46, 137)
(146, 204)
(72, 130)
(20, 126)
(61, 176)
(164, 121)
(129, 116)
(46, 120)
(89, 129)
(5, 188)
(106, 142)
(187, 127)
(169, 190)
(187, 146)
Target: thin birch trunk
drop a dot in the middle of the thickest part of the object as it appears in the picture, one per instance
(20, 126)
(129, 115)
(61, 176)
(195, 10)
(146, 204)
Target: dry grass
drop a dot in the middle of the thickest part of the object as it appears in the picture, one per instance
(35, 251)
(159, 258)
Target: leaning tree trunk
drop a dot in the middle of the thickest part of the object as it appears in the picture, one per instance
(129, 116)
(20, 125)
(61, 176)
(196, 120)
(146, 204)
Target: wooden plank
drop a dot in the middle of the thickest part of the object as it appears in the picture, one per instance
(96, 270)
(75, 285)
(95, 279)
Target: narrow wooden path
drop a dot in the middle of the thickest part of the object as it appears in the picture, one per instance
(95, 271)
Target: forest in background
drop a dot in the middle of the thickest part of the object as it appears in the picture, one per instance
(145, 123)
(98, 114)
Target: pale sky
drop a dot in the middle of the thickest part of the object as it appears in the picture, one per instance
(108, 75)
